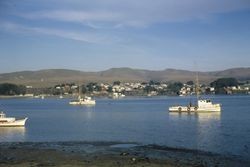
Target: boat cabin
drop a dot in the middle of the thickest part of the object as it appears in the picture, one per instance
(2, 115)
(205, 102)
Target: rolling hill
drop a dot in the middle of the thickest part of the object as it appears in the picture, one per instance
(51, 77)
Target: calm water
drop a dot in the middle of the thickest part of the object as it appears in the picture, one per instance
(142, 120)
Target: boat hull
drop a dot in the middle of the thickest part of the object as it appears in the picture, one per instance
(16, 123)
(83, 103)
(194, 109)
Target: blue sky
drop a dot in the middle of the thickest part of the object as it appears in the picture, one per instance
(147, 34)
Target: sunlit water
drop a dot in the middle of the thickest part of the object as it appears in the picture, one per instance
(142, 120)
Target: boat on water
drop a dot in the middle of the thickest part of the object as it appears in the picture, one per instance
(83, 101)
(11, 121)
(203, 105)
(86, 100)
(116, 95)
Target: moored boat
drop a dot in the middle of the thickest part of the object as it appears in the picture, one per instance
(116, 95)
(11, 121)
(83, 101)
(205, 105)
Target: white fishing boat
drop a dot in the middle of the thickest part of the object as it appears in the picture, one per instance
(83, 101)
(11, 121)
(116, 95)
(86, 100)
(203, 105)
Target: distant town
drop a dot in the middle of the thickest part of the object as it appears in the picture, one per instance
(120, 89)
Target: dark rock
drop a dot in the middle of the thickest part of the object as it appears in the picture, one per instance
(124, 153)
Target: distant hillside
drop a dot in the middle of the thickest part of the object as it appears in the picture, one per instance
(50, 77)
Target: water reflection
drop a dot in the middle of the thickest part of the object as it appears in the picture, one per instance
(90, 110)
(208, 131)
(201, 117)
(85, 111)
(204, 127)
(9, 134)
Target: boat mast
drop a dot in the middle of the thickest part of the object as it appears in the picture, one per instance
(79, 91)
(197, 86)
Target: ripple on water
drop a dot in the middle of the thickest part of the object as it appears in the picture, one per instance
(125, 145)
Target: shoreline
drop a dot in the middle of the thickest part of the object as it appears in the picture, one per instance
(107, 97)
(108, 154)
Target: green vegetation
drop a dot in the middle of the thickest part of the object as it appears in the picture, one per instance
(12, 89)
(149, 89)
(110, 89)
(83, 89)
(175, 87)
(222, 83)
(152, 82)
(190, 83)
(219, 86)
(117, 83)
(91, 87)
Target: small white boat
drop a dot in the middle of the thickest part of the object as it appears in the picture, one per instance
(11, 121)
(202, 106)
(116, 95)
(83, 101)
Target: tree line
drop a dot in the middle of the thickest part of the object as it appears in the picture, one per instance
(173, 88)
(12, 89)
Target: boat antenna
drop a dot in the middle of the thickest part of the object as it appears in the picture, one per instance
(197, 86)
(79, 90)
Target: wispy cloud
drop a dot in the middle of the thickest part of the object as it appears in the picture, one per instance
(73, 16)
(73, 35)
(114, 14)
(135, 13)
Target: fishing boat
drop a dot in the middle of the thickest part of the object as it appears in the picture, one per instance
(11, 121)
(116, 95)
(83, 101)
(203, 105)
(86, 100)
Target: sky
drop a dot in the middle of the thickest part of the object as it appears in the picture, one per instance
(204, 35)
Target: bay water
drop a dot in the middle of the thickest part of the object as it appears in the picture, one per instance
(133, 119)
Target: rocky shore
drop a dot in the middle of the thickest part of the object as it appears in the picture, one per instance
(108, 154)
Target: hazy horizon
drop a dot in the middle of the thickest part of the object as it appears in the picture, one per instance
(99, 35)
(120, 68)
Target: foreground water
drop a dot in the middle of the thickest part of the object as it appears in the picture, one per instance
(141, 120)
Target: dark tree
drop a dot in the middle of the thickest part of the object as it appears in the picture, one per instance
(175, 87)
(117, 83)
(98, 88)
(83, 89)
(110, 89)
(12, 89)
(222, 83)
(152, 82)
(190, 83)
(91, 86)
(149, 88)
